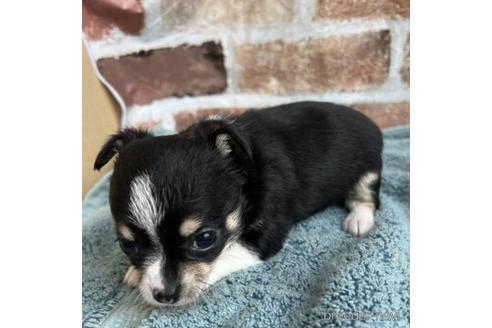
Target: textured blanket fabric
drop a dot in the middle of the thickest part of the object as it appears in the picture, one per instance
(322, 277)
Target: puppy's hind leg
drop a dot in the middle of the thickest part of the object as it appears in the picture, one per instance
(362, 201)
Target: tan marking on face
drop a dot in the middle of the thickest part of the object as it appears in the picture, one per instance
(189, 226)
(193, 281)
(126, 232)
(233, 220)
(132, 277)
(195, 272)
(197, 277)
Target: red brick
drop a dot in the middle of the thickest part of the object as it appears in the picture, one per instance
(386, 115)
(148, 126)
(341, 63)
(100, 16)
(170, 72)
(349, 9)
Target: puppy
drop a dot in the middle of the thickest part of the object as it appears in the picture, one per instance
(222, 195)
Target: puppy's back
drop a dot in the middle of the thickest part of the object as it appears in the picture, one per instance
(314, 152)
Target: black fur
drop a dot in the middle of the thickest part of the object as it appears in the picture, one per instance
(285, 164)
(115, 144)
(307, 156)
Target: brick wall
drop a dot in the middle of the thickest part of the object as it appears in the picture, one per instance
(171, 62)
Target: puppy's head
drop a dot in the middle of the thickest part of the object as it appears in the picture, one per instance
(176, 203)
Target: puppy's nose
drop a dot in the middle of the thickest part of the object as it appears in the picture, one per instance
(162, 296)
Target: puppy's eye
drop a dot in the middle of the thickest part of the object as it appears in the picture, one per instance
(204, 240)
(128, 247)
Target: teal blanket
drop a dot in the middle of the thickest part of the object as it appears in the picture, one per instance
(322, 277)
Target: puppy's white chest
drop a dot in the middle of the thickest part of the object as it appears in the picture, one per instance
(233, 258)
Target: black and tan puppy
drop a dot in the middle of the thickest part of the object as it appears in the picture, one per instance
(223, 195)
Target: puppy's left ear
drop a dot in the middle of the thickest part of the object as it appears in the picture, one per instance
(116, 143)
(228, 140)
(230, 143)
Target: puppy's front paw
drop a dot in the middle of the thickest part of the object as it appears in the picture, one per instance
(358, 223)
(132, 277)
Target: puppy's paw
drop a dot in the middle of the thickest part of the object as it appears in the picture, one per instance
(358, 223)
(132, 277)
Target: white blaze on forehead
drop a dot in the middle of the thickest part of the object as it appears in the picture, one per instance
(189, 226)
(145, 209)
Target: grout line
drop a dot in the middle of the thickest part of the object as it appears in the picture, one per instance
(164, 110)
(231, 65)
(120, 45)
(153, 17)
(399, 31)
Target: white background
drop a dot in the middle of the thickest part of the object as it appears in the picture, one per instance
(40, 163)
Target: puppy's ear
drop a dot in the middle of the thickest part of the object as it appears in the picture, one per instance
(233, 146)
(228, 140)
(116, 143)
